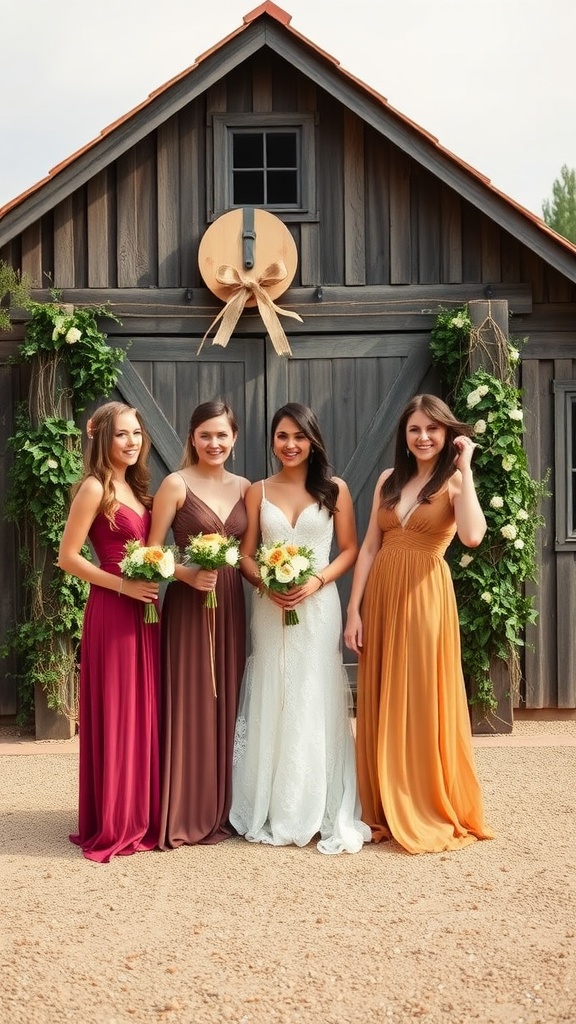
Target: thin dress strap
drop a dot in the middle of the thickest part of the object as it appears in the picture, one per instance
(263, 492)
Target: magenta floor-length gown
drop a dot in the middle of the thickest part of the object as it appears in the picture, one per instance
(119, 799)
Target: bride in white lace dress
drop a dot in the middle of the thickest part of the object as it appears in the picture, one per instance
(294, 773)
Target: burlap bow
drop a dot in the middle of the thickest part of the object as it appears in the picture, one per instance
(244, 287)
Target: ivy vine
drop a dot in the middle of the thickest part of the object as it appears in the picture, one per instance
(72, 365)
(494, 609)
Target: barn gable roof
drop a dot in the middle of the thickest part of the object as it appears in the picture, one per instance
(269, 26)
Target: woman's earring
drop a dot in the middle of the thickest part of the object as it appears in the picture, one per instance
(233, 455)
(408, 453)
(311, 456)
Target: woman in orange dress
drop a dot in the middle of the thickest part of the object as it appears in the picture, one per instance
(415, 762)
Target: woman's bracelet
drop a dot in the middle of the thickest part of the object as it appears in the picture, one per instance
(320, 578)
(121, 585)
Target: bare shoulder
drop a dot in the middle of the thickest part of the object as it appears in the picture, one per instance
(173, 484)
(343, 489)
(254, 491)
(383, 477)
(244, 485)
(89, 490)
(340, 483)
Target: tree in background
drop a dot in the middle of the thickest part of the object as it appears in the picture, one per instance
(560, 212)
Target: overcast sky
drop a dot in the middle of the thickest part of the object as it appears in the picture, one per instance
(493, 80)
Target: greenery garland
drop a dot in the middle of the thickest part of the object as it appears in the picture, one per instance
(72, 366)
(16, 286)
(489, 580)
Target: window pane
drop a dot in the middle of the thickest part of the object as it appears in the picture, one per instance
(248, 188)
(282, 188)
(248, 149)
(281, 149)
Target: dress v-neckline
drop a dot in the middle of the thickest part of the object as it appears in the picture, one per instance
(402, 522)
(134, 510)
(281, 510)
(209, 507)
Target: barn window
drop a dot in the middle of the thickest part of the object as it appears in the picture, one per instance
(266, 161)
(565, 489)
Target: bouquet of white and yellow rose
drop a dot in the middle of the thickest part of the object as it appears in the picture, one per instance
(155, 563)
(212, 551)
(283, 566)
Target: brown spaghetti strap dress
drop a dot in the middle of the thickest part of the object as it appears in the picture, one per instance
(416, 774)
(198, 728)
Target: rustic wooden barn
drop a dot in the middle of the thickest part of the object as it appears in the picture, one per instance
(388, 227)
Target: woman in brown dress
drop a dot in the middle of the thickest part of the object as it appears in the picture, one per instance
(198, 726)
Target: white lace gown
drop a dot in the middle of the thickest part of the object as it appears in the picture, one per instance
(294, 772)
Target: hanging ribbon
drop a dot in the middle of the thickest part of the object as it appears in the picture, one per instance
(244, 287)
(211, 620)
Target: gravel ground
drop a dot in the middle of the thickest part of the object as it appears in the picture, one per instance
(258, 935)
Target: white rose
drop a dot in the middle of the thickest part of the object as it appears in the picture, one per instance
(491, 417)
(486, 596)
(300, 564)
(480, 427)
(473, 398)
(166, 565)
(483, 390)
(515, 414)
(519, 544)
(51, 464)
(508, 462)
(284, 573)
(496, 501)
(509, 531)
(457, 321)
(231, 556)
(522, 515)
(513, 354)
(465, 561)
(73, 336)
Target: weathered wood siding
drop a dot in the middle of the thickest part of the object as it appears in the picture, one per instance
(390, 244)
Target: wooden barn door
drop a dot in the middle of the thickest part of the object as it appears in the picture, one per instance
(357, 385)
(166, 379)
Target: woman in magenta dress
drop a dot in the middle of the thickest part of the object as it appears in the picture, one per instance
(198, 725)
(119, 800)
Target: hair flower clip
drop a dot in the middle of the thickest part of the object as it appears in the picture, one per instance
(90, 430)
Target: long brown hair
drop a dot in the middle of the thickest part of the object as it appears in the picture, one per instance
(404, 462)
(206, 411)
(319, 482)
(101, 429)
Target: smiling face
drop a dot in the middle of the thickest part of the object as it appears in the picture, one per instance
(213, 441)
(126, 441)
(425, 437)
(290, 443)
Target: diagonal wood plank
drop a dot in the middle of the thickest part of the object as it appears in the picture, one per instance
(385, 420)
(164, 438)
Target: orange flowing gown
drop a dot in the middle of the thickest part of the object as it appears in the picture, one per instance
(416, 774)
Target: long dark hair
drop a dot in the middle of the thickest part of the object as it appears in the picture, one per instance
(206, 411)
(101, 430)
(319, 482)
(404, 462)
